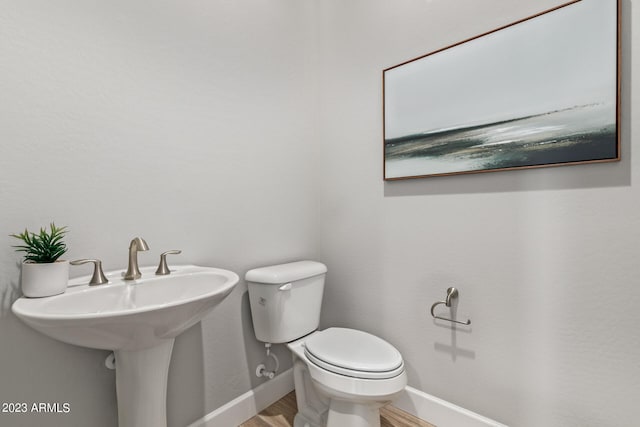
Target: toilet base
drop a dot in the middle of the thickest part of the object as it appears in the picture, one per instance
(352, 414)
(342, 414)
(301, 421)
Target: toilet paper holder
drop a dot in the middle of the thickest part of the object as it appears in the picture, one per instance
(452, 293)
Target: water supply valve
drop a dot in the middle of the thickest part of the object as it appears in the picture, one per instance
(261, 370)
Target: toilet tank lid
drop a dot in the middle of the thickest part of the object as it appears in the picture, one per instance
(283, 273)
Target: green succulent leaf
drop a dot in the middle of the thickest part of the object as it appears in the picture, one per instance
(44, 247)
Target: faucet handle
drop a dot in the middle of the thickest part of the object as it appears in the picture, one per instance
(163, 269)
(98, 277)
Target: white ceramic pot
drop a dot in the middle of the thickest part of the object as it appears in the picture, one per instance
(44, 279)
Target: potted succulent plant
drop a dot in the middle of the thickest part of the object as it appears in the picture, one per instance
(43, 273)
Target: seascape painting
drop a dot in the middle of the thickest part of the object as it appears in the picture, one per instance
(541, 92)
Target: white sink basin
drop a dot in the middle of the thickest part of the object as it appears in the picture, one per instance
(139, 320)
(130, 315)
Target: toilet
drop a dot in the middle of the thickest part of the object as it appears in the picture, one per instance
(342, 376)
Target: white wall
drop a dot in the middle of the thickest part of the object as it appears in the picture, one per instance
(546, 260)
(209, 110)
(185, 122)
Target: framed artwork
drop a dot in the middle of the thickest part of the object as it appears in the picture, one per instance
(543, 91)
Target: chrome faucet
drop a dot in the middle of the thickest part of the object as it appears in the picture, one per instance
(133, 272)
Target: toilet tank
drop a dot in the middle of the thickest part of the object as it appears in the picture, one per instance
(286, 300)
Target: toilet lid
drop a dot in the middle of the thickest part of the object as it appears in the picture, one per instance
(354, 353)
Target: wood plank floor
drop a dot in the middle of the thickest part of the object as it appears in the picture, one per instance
(281, 414)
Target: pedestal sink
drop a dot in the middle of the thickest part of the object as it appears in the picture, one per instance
(138, 320)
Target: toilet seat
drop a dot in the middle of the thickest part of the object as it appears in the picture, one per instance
(354, 354)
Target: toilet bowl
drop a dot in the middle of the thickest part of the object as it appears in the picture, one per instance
(342, 376)
(351, 373)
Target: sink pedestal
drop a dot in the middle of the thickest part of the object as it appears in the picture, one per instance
(141, 385)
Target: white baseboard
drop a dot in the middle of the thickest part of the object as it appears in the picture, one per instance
(418, 403)
(243, 407)
(440, 412)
